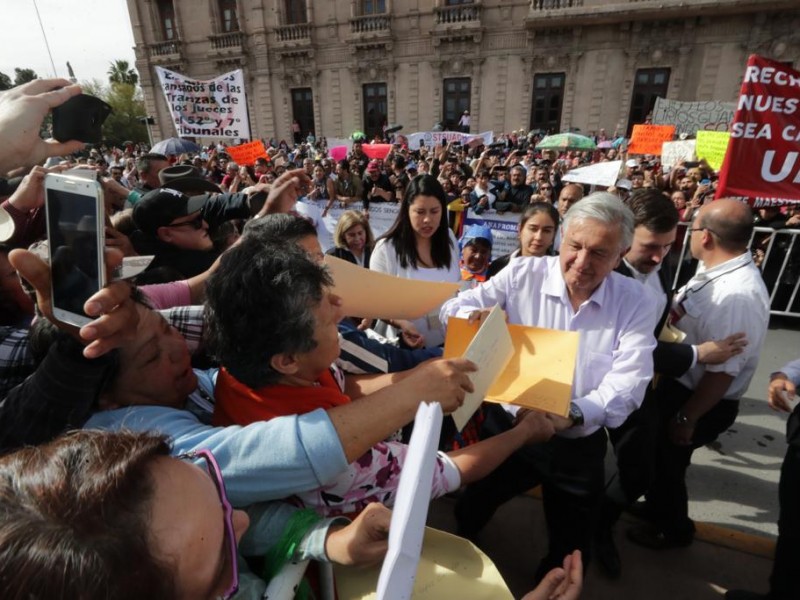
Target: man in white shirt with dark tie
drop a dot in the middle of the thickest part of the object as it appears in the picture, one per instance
(576, 291)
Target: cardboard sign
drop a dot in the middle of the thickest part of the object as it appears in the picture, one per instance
(215, 108)
(648, 139)
(712, 146)
(689, 117)
(603, 174)
(437, 138)
(246, 154)
(763, 158)
(674, 152)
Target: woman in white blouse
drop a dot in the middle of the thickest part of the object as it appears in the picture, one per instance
(420, 246)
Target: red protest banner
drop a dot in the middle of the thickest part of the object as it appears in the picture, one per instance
(246, 154)
(648, 139)
(763, 158)
(377, 151)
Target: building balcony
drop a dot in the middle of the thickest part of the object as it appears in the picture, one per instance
(370, 30)
(294, 35)
(166, 52)
(232, 41)
(458, 22)
(568, 13)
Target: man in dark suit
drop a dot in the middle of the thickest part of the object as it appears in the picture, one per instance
(655, 225)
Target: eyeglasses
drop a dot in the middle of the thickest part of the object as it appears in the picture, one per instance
(693, 229)
(196, 223)
(227, 509)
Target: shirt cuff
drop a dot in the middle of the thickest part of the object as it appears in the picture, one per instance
(312, 546)
(694, 357)
(452, 475)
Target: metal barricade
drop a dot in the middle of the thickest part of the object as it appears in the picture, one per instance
(777, 254)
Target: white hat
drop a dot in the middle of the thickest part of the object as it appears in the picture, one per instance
(6, 225)
(625, 184)
(632, 163)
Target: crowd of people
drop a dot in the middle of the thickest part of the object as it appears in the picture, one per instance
(221, 416)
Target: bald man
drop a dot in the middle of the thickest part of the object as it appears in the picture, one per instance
(570, 194)
(726, 295)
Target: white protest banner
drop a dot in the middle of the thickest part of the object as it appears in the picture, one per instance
(382, 215)
(603, 174)
(435, 138)
(689, 117)
(674, 152)
(215, 108)
(504, 229)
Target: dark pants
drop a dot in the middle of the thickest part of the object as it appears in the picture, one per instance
(571, 474)
(784, 579)
(668, 499)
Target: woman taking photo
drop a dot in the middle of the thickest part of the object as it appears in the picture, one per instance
(353, 238)
(537, 230)
(420, 246)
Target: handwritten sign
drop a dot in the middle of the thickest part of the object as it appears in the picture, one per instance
(213, 108)
(437, 138)
(712, 146)
(246, 154)
(648, 139)
(763, 158)
(689, 117)
(674, 152)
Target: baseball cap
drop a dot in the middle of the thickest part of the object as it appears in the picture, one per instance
(475, 232)
(632, 163)
(411, 166)
(162, 206)
(373, 165)
(625, 184)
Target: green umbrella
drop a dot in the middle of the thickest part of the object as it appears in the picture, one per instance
(358, 136)
(566, 141)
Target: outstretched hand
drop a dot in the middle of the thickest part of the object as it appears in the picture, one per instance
(22, 111)
(561, 583)
(117, 317)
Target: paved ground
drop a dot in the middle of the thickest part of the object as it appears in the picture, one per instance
(733, 491)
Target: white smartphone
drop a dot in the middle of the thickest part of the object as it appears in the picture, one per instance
(76, 237)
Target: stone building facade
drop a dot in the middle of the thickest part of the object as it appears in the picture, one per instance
(345, 65)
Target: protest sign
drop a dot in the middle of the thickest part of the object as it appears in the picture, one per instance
(763, 158)
(338, 153)
(674, 152)
(712, 146)
(246, 154)
(648, 139)
(689, 117)
(382, 215)
(603, 174)
(435, 138)
(215, 108)
(377, 151)
(504, 229)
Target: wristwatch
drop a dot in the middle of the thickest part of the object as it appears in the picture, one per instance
(576, 414)
(681, 419)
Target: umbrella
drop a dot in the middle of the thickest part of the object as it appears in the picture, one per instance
(604, 145)
(618, 142)
(174, 146)
(358, 136)
(566, 141)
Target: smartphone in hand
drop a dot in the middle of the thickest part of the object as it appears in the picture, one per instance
(76, 238)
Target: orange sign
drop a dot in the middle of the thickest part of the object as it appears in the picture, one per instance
(648, 139)
(246, 154)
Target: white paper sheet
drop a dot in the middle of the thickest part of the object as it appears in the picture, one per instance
(396, 581)
(490, 349)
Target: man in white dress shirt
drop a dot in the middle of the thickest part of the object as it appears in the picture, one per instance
(726, 295)
(576, 291)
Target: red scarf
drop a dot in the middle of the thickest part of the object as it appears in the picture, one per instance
(237, 404)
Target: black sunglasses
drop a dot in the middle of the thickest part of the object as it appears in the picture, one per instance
(196, 223)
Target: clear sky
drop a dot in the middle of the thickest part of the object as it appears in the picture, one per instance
(87, 33)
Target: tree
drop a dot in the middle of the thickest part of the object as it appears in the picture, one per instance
(5, 82)
(121, 72)
(24, 76)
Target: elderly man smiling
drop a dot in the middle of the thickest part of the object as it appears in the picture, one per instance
(576, 291)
